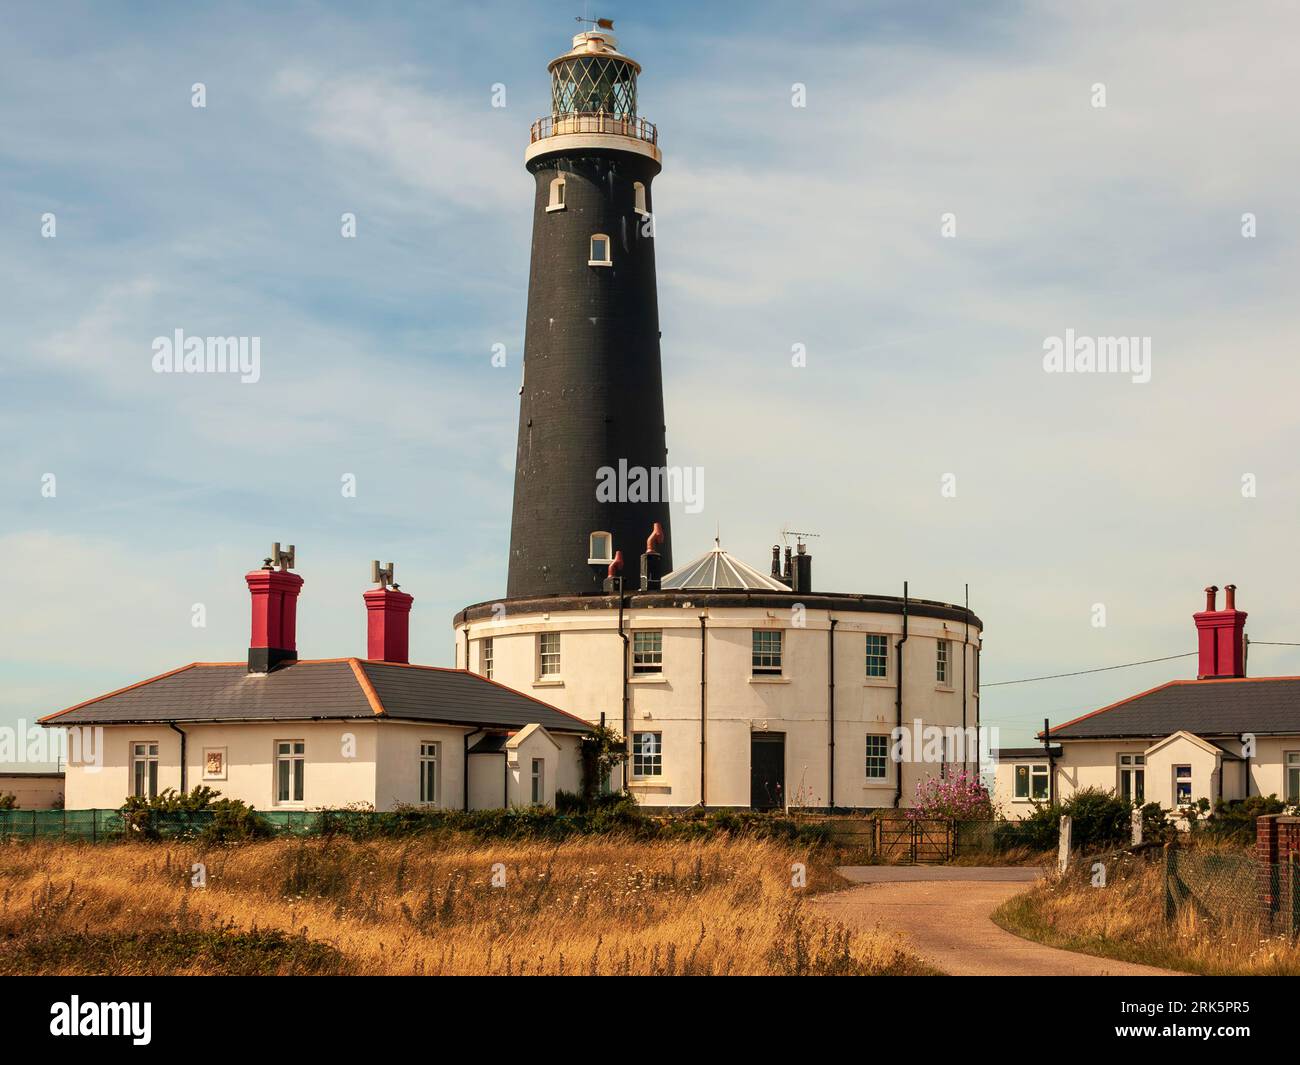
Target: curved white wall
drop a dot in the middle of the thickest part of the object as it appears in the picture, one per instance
(737, 702)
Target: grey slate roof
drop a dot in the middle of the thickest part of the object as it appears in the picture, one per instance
(1262, 705)
(326, 690)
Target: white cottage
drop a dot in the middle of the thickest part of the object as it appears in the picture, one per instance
(1222, 735)
(285, 734)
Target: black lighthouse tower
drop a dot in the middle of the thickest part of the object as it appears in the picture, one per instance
(592, 450)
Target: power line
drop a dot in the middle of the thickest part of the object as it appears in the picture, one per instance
(1266, 643)
(1081, 672)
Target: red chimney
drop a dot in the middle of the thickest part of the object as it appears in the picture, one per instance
(274, 638)
(388, 618)
(1220, 637)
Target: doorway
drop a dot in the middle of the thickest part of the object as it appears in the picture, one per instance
(767, 770)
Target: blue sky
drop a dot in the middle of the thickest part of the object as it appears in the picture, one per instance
(775, 226)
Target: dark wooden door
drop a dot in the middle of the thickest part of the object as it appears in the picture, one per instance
(767, 770)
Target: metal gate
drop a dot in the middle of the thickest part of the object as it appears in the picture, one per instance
(904, 840)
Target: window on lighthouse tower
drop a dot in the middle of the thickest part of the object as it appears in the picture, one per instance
(600, 251)
(600, 549)
(557, 195)
(638, 192)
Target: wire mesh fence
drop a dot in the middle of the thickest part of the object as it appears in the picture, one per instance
(992, 837)
(1222, 889)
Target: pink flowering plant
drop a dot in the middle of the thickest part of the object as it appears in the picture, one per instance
(958, 797)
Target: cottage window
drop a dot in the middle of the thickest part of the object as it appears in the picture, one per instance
(766, 651)
(144, 770)
(877, 655)
(548, 654)
(1132, 778)
(1293, 776)
(1182, 784)
(1031, 782)
(647, 754)
(429, 772)
(290, 766)
(877, 757)
(539, 781)
(943, 650)
(648, 652)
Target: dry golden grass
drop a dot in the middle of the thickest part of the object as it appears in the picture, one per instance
(1126, 920)
(589, 906)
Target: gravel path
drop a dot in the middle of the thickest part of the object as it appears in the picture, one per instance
(942, 914)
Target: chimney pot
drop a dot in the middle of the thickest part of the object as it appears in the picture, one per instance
(274, 637)
(651, 572)
(655, 538)
(802, 577)
(388, 624)
(1220, 636)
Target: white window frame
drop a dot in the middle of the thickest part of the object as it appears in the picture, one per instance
(595, 542)
(296, 758)
(539, 781)
(648, 661)
(775, 659)
(609, 251)
(638, 199)
(647, 755)
(486, 654)
(545, 640)
(943, 663)
(883, 656)
(1183, 779)
(1291, 764)
(877, 756)
(148, 758)
(431, 772)
(1036, 773)
(556, 200)
(1132, 764)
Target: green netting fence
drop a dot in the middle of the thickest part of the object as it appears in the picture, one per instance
(933, 840)
(95, 825)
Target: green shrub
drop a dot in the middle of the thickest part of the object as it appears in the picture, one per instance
(200, 813)
(1100, 819)
(1235, 818)
(602, 750)
(234, 821)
